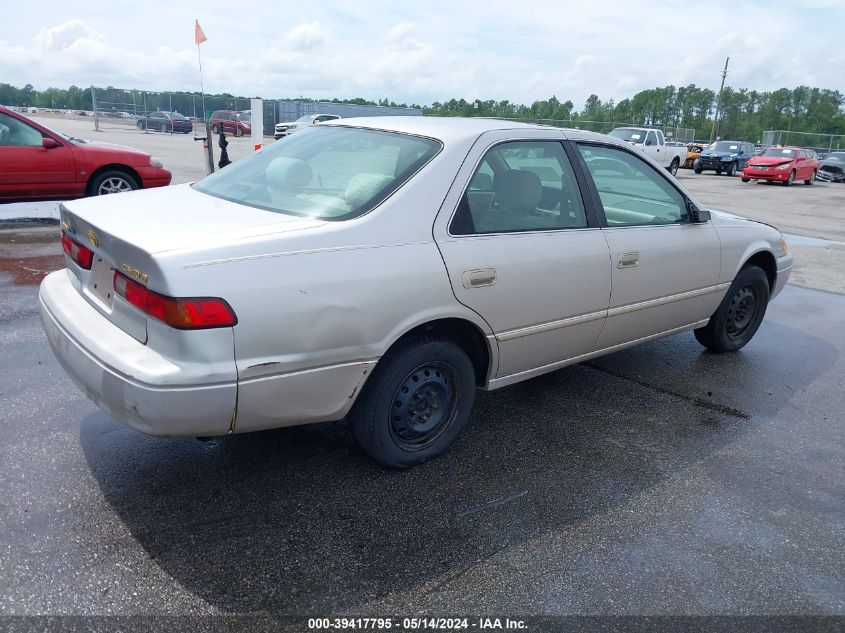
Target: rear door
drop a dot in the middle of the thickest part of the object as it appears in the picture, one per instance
(27, 169)
(521, 251)
(665, 270)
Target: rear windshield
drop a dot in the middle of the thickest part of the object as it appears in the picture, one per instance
(176, 115)
(332, 173)
(781, 153)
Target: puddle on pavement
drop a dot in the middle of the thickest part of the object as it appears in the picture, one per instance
(28, 255)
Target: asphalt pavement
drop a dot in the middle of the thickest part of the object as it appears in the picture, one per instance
(661, 480)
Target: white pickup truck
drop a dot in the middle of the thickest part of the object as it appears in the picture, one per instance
(653, 143)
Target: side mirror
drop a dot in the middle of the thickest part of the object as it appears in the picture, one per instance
(49, 143)
(696, 215)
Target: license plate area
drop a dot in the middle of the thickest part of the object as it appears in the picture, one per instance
(102, 281)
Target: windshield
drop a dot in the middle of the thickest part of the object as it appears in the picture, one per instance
(779, 152)
(629, 134)
(307, 117)
(331, 173)
(724, 146)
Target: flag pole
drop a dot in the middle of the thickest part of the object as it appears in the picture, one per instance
(202, 88)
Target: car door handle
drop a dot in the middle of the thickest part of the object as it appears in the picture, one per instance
(479, 278)
(628, 260)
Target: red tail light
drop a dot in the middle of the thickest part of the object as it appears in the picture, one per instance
(80, 254)
(194, 313)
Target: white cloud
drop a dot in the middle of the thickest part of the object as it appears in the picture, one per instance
(308, 36)
(378, 48)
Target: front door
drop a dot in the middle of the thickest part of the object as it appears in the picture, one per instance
(665, 270)
(521, 253)
(27, 168)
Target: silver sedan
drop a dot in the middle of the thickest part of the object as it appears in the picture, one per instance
(383, 270)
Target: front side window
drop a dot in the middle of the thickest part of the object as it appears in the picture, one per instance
(521, 186)
(17, 133)
(651, 139)
(331, 173)
(632, 192)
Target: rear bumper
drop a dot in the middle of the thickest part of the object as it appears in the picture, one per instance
(124, 377)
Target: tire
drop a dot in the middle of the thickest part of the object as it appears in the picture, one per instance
(744, 179)
(112, 181)
(696, 168)
(718, 171)
(788, 182)
(427, 372)
(214, 129)
(673, 168)
(731, 171)
(812, 178)
(739, 315)
(141, 125)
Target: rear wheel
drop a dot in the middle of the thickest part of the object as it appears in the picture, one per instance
(790, 180)
(114, 181)
(673, 168)
(416, 402)
(812, 178)
(739, 315)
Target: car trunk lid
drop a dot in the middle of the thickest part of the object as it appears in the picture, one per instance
(127, 232)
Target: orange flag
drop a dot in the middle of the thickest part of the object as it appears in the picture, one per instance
(199, 36)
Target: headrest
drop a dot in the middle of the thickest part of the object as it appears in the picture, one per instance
(518, 189)
(288, 173)
(481, 182)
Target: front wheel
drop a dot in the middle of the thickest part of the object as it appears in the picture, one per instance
(114, 181)
(673, 168)
(737, 318)
(140, 125)
(790, 180)
(744, 179)
(696, 166)
(812, 178)
(731, 169)
(416, 402)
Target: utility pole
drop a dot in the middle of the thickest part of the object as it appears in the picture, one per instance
(719, 101)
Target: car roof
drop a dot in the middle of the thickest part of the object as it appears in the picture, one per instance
(450, 129)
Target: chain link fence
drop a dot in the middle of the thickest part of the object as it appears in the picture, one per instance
(822, 143)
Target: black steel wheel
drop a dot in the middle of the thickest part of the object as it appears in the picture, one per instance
(739, 315)
(416, 402)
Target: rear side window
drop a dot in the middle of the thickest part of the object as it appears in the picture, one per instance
(331, 173)
(632, 192)
(521, 186)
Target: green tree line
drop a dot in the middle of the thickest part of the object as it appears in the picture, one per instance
(743, 113)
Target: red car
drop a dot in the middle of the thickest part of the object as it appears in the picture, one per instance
(37, 163)
(231, 122)
(784, 165)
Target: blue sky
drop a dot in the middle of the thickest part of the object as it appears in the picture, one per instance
(425, 52)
